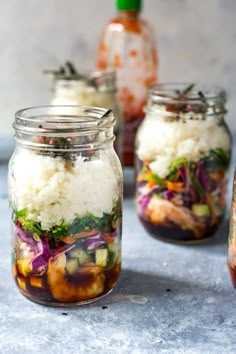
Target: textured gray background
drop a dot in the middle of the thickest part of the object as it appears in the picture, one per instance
(196, 41)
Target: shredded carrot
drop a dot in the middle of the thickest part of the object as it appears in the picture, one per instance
(151, 184)
(146, 162)
(107, 238)
(216, 176)
(68, 239)
(85, 233)
(176, 176)
(148, 176)
(82, 234)
(140, 178)
(175, 186)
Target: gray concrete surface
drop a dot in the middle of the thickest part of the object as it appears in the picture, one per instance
(170, 299)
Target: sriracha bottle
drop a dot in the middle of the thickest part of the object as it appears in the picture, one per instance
(128, 47)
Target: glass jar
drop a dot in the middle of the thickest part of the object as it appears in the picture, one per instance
(183, 150)
(232, 237)
(97, 89)
(65, 192)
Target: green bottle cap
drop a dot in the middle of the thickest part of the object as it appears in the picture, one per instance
(129, 4)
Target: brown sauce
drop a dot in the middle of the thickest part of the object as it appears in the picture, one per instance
(172, 232)
(41, 292)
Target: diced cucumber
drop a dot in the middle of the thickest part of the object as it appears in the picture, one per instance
(201, 210)
(114, 253)
(101, 257)
(72, 265)
(113, 247)
(112, 257)
(81, 254)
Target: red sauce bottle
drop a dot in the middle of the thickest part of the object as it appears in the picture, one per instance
(128, 46)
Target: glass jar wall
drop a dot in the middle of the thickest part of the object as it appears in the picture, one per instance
(232, 236)
(183, 150)
(65, 192)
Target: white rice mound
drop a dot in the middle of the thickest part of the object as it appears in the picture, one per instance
(162, 142)
(53, 190)
(84, 95)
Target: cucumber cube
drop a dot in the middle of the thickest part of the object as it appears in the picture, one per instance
(72, 265)
(112, 257)
(101, 257)
(201, 210)
(114, 252)
(81, 254)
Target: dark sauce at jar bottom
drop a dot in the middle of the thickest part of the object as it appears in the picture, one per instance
(173, 233)
(232, 272)
(42, 294)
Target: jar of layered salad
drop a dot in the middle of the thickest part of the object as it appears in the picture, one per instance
(70, 87)
(232, 237)
(65, 193)
(183, 150)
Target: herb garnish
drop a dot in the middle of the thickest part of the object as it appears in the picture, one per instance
(185, 91)
(88, 222)
(185, 107)
(66, 72)
(217, 158)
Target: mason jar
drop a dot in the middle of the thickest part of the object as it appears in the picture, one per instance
(183, 150)
(231, 262)
(65, 193)
(96, 89)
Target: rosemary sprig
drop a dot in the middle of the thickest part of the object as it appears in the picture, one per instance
(202, 96)
(188, 89)
(186, 107)
(66, 72)
(185, 91)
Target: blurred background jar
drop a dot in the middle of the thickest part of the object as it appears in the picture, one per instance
(98, 89)
(183, 150)
(232, 237)
(65, 193)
